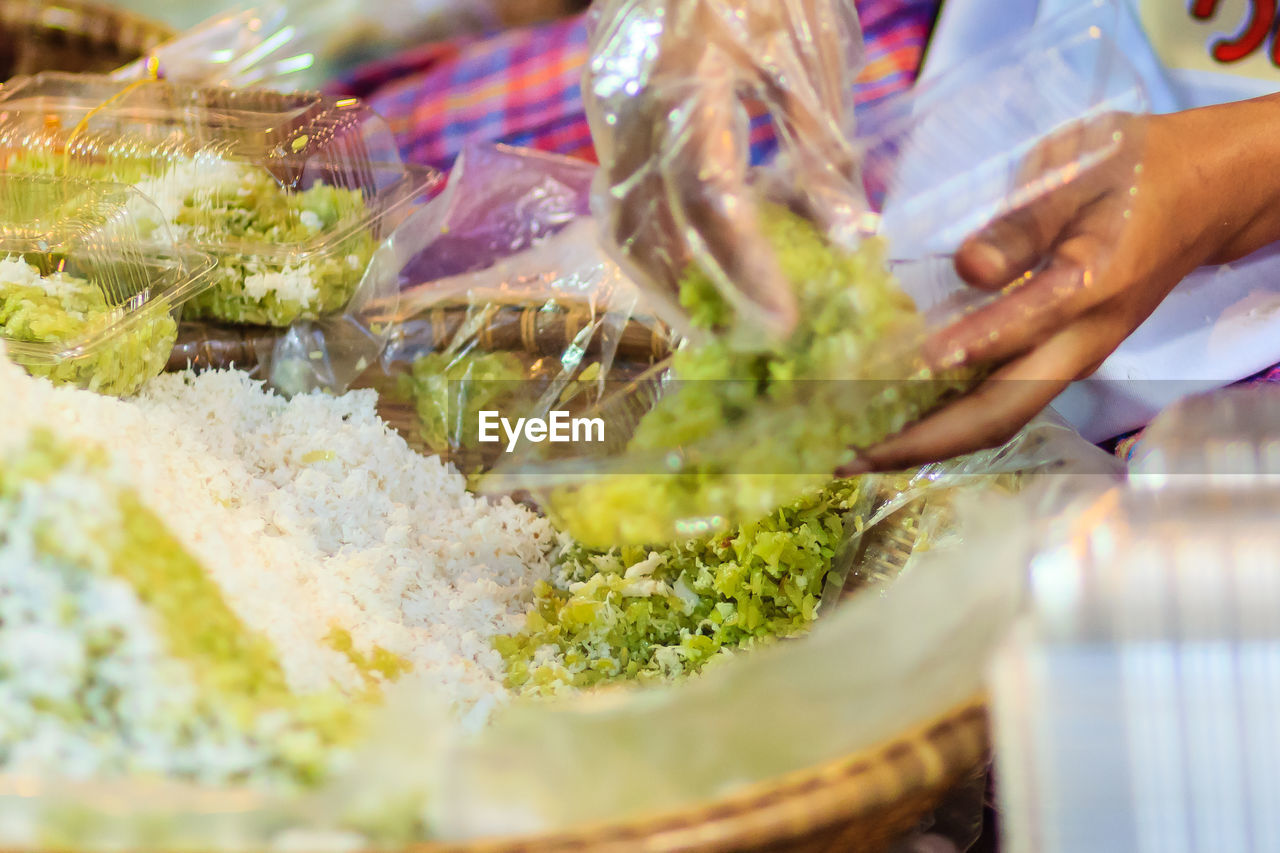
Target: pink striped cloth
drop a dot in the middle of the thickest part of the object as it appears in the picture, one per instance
(522, 87)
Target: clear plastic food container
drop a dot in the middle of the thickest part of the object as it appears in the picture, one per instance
(86, 298)
(290, 192)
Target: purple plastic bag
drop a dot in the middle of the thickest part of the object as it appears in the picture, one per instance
(500, 200)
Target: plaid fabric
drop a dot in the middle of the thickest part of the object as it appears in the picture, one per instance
(522, 87)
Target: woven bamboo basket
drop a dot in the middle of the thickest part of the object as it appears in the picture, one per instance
(72, 35)
(531, 330)
(862, 803)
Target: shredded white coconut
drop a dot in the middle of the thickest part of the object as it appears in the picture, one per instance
(293, 283)
(16, 271)
(312, 514)
(310, 221)
(203, 173)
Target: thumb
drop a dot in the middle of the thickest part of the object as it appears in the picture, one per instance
(1063, 176)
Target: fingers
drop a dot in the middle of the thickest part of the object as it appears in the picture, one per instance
(1020, 320)
(1013, 244)
(1081, 274)
(1006, 401)
(986, 417)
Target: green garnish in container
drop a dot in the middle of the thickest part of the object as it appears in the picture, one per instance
(273, 288)
(81, 303)
(58, 309)
(282, 255)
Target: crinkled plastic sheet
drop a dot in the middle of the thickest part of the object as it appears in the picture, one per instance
(511, 270)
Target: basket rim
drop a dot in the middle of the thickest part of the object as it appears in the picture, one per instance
(924, 758)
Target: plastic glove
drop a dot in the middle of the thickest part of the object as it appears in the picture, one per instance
(665, 95)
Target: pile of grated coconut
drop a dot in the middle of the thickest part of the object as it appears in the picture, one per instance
(313, 519)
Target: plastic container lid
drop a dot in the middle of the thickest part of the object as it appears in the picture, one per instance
(85, 297)
(1135, 703)
(291, 192)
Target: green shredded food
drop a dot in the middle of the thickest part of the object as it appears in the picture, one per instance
(768, 426)
(257, 210)
(62, 310)
(639, 614)
(231, 208)
(450, 390)
(377, 667)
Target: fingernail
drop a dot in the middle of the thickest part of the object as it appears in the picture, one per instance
(781, 319)
(990, 261)
(859, 466)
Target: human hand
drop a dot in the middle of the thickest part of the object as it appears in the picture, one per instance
(1199, 190)
(664, 93)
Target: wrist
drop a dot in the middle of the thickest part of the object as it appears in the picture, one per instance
(1228, 160)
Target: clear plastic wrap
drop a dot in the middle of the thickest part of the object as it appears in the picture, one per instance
(88, 295)
(737, 427)
(513, 307)
(249, 46)
(305, 44)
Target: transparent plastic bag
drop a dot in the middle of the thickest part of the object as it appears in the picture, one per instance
(665, 95)
(512, 307)
(299, 197)
(87, 298)
(729, 433)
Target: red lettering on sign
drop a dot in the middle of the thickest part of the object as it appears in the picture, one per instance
(1204, 9)
(1259, 27)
